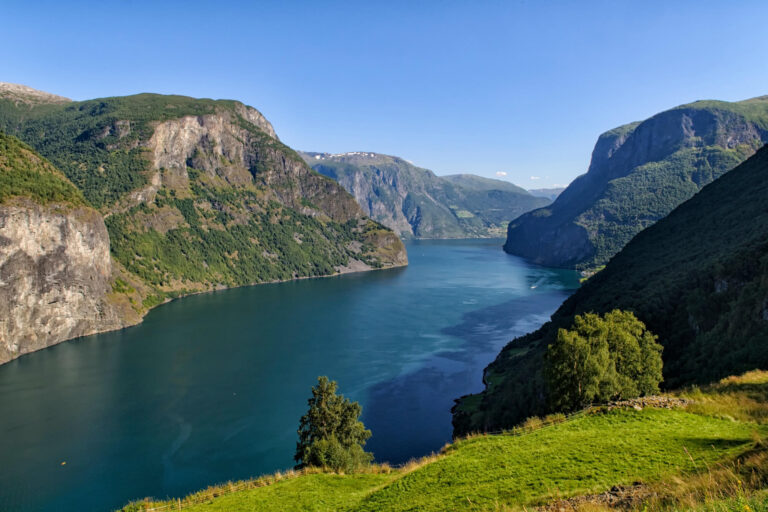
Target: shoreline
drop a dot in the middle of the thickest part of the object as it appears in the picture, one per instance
(201, 292)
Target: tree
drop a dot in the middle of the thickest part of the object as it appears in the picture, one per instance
(330, 433)
(602, 358)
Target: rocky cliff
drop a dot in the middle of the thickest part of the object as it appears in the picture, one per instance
(55, 276)
(56, 272)
(415, 202)
(639, 172)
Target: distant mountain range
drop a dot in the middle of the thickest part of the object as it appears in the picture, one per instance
(697, 278)
(416, 203)
(639, 173)
(549, 193)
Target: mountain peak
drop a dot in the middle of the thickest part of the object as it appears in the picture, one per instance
(23, 94)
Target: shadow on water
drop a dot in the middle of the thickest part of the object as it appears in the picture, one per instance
(424, 397)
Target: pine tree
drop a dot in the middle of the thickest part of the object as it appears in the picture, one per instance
(330, 433)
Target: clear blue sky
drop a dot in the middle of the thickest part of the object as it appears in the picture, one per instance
(522, 87)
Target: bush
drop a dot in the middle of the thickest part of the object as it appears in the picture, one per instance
(329, 453)
(602, 358)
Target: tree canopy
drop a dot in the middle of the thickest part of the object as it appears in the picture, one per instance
(602, 358)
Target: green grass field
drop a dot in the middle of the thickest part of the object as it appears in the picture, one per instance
(587, 454)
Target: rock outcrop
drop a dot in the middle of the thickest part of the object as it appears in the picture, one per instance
(55, 276)
(22, 94)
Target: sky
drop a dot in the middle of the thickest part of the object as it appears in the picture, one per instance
(518, 90)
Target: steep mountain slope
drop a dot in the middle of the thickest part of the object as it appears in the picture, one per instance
(638, 174)
(200, 194)
(415, 202)
(698, 279)
(56, 273)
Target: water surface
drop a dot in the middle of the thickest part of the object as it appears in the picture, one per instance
(211, 387)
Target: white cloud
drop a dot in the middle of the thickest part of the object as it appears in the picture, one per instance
(535, 177)
(501, 173)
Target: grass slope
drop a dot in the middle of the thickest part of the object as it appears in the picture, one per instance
(23, 173)
(592, 452)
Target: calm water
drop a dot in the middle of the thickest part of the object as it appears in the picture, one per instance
(211, 387)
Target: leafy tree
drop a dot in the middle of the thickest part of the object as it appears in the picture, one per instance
(602, 358)
(330, 433)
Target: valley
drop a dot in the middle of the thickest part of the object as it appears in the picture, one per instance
(383, 256)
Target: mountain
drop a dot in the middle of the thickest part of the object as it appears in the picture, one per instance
(549, 193)
(697, 278)
(415, 202)
(638, 174)
(197, 195)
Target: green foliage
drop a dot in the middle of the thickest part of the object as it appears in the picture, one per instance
(602, 358)
(23, 173)
(330, 433)
(95, 142)
(266, 247)
(697, 278)
(330, 453)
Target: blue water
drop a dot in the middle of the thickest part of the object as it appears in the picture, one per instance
(210, 388)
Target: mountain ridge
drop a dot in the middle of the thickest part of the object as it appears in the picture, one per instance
(417, 203)
(639, 172)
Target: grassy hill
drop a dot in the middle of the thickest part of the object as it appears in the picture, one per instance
(664, 456)
(416, 202)
(23, 173)
(639, 173)
(698, 279)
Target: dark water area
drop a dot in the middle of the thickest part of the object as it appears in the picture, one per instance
(210, 388)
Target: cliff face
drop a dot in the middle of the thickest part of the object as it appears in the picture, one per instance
(225, 149)
(415, 202)
(638, 174)
(56, 275)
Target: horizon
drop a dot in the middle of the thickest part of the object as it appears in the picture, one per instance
(509, 91)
